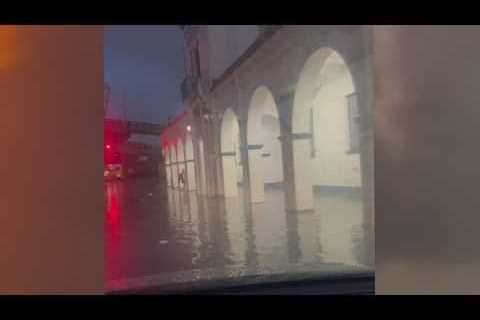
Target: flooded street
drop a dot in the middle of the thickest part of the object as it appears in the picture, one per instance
(155, 235)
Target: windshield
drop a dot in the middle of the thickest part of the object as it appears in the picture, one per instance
(237, 152)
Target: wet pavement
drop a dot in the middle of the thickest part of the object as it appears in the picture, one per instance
(155, 235)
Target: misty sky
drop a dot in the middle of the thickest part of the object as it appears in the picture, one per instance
(146, 62)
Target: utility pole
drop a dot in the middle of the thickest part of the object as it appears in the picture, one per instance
(106, 95)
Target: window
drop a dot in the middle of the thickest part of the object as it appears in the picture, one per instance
(354, 121)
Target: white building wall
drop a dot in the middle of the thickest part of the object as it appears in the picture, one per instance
(203, 182)
(272, 164)
(333, 165)
(277, 65)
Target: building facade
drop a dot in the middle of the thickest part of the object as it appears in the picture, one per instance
(287, 106)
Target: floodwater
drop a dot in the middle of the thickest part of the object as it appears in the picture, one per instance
(156, 235)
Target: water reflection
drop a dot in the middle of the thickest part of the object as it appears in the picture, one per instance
(174, 231)
(251, 257)
(342, 229)
(293, 238)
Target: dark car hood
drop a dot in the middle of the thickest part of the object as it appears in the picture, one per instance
(328, 278)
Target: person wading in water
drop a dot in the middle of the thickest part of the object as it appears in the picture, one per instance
(181, 178)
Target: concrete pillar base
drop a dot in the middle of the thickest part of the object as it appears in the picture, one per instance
(303, 189)
(191, 175)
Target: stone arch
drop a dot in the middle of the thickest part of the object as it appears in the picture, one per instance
(174, 164)
(190, 162)
(325, 137)
(264, 147)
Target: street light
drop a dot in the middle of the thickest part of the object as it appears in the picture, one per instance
(189, 128)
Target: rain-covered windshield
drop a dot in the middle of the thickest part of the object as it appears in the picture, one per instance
(237, 151)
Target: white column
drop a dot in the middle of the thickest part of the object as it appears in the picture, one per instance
(191, 175)
(302, 165)
(196, 163)
(203, 186)
(219, 175)
(171, 175)
(168, 168)
(168, 175)
(255, 161)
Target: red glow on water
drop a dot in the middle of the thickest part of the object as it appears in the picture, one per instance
(113, 207)
(114, 196)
